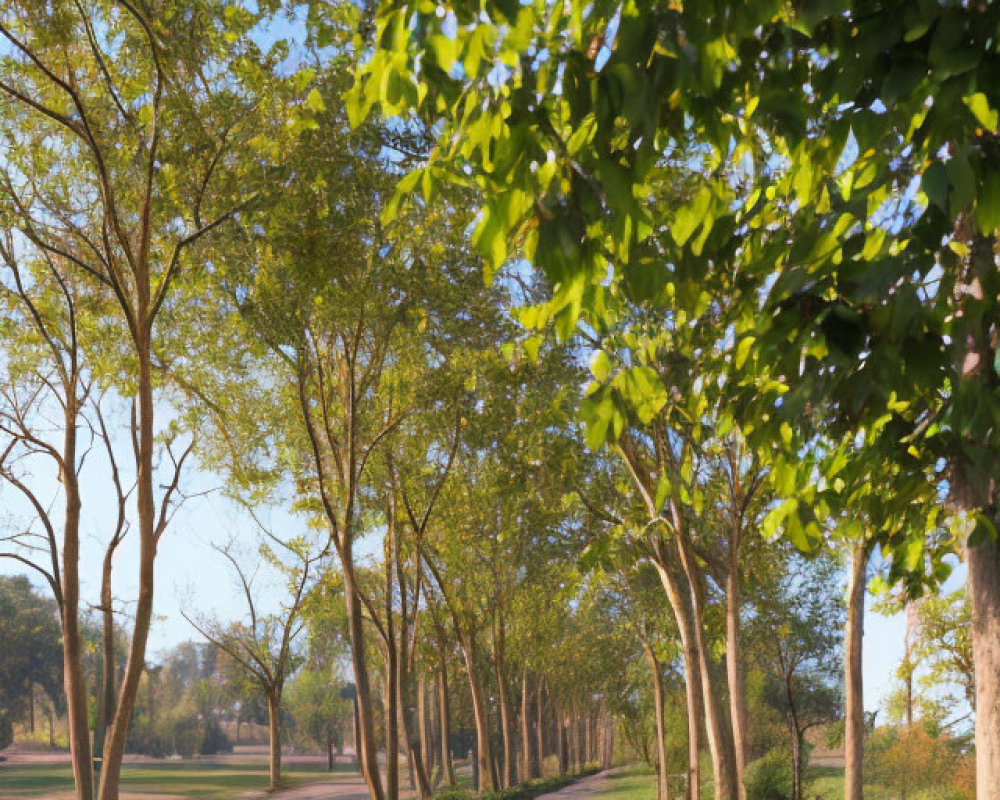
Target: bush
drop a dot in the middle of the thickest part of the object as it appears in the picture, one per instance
(770, 777)
(915, 761)
(6, 731)
(214, 739)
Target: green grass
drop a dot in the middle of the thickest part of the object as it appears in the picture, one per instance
(199, 779)
(634, 783)
(822, 783)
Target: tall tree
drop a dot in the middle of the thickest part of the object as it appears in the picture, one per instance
(146, 109)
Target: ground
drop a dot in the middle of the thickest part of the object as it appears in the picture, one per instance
(244, 776)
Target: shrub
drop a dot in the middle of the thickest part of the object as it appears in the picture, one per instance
(912, 760)
(214, 739)
(770, 777)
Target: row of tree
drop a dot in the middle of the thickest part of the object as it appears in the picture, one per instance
(775, 223)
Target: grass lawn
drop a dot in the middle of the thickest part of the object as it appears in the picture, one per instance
(634, 783)
(822, 783)
(201, 779)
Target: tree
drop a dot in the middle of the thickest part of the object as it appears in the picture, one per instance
(319, 710)
(32, 655)
(797, 619)
(264, 644)
(147, 114)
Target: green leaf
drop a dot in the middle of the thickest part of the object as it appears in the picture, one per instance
(987, 213)
(935, 185)
(314, 101)
(743, 350)
(689, 217)
(600, 365)
(984, 531)
(663, 488)
(980, 108)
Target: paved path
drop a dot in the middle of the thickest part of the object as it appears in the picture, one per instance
(340, 787)
(353, 788)
(591, 786)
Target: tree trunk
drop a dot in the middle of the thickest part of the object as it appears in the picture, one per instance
(528, 760)
(31, 708)
(274, 739)
(734, 663)
(609, 743)
(796, 761)
(444, 717)
(106, 697)
(692, 680)
(329, 754)
(423, 717)
(561, 748)
(114, 746)
(506, 728)
(719, 745)
(414, 724)
(74, 681)
(854, 712)
(658, 713)
(484, 753)
(364, 741)
(984, 593)
(391, 726)
(539, 729)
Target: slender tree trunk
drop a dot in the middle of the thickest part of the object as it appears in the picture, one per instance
(423, 715)
(796, 760)
(391, 725)
(73, 678)
(658, 713)
(484, 752)
(31, 708)
(734, 663)
(984, 593)
(364, 740)
(539, 729)
(413, 713)
(692, 680)
(561, 744)
(720, 746)
(114, 745)
(854, 717)
(106, 698)
(329, 754)
(506, 728)
(444, 717)
(528, 759)
(609, 743)
(274, 739)
(414, 724)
